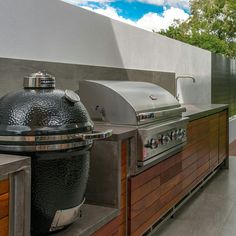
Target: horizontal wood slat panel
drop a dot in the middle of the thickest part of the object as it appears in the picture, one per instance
(144, 177)
(189, 150)
(109, 228)
(4, 186)
(137, 221)
(116, 233)
(145, 189)
(171, 172)
(203, 160)
(188, 171)
(170, 162)
(144, 203)
(189, 161)
(4, 224)
(171, 194)
(156, 216)
(166, 187)
(4, 205)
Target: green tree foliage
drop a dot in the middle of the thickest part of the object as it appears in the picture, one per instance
(211, 25)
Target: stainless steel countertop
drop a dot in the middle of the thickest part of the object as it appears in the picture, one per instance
(195, 111)
(118, 131)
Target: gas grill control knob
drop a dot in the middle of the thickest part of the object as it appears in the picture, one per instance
(174, 135)
(165, 139)
(181, 134)
(183, 131)
(153, 143)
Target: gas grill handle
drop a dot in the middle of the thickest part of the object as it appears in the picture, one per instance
(96, 135)
(157, 114)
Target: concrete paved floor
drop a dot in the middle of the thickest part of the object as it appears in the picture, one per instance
(211, 212)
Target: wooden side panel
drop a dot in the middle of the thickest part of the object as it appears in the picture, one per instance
(4, 226)
(155, 191)
(222, 135)
(214, 141)
(4, 186)
(4, 207)
(117, 227)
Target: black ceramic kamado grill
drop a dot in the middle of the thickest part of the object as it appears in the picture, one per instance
(152, 111)
(54, 128)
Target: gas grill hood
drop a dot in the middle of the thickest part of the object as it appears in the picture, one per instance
(128, 102)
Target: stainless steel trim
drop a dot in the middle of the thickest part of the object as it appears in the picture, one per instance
(96, 135)
(65, 217)
(162, 156)
(155, 132)
(39, 80)
(42, 138)
(158, 114)
(41, 148)
(63, 137)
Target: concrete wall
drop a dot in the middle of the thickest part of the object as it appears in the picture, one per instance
(224, 81)
(55, 31)
(223, 87)
(12, 72)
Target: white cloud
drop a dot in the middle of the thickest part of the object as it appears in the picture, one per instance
(78, 2)
(110, 12)
(154, 2)
(171, 3)
(153, 21)
(177, 3)
(150, 21)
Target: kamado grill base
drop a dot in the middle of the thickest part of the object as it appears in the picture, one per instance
(58, 183)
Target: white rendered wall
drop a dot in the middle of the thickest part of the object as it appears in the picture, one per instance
(51, 30)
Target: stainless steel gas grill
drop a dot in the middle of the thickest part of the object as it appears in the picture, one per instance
(157, 115)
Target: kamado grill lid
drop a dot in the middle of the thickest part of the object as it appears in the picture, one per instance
(42, 118)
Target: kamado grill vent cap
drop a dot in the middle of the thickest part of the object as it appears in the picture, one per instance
(39, 80)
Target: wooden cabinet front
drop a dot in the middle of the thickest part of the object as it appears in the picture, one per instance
(4, 207)
(155, 191)
(223, 133)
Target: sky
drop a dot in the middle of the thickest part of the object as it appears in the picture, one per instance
(146, 14)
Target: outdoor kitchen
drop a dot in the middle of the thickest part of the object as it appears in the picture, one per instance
(125, 141)
(156, 153)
